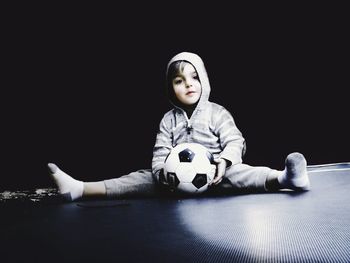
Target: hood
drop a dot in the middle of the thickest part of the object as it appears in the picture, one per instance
(198, 64)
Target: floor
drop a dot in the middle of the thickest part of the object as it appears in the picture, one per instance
(313, 226)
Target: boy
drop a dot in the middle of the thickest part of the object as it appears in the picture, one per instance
(193, 119)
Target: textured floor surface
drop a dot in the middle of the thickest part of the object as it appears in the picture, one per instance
(314, 226)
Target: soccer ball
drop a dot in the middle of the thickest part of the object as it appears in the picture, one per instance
(189, 168)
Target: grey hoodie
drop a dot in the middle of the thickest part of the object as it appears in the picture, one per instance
(210, 125)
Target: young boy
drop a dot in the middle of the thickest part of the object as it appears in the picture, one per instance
(193, 119)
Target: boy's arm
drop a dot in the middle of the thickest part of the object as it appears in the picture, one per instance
(232, 141)
(161, 149)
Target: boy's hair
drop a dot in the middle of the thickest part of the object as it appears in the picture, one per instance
(173, 69)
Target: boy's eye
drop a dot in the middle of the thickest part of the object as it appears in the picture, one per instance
(195, 76)
(177, 81)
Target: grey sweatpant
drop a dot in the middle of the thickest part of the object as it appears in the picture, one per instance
(239, 177)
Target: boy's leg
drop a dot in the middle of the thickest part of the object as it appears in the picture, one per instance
(293, 177)
(136, 183)
(70, 188)
(245, 178)
(139, 183)
(242, 177)
(92, 189)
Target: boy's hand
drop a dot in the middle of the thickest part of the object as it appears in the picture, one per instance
(220, 171)
(164, 181)
(162, 177)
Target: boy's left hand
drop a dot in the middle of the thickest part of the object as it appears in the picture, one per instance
(220, 171)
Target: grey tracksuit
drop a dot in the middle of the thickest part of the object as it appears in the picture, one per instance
(210, 125)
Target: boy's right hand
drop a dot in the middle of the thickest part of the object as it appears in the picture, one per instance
(163, 180)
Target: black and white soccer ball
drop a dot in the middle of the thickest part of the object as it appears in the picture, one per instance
(189, 168)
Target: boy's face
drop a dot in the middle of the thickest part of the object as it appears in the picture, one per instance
(187, 86)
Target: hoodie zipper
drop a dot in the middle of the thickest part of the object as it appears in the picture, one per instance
(189, 127)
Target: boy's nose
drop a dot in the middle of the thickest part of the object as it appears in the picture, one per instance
(188, 84)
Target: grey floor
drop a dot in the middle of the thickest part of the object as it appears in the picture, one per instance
(278, 227)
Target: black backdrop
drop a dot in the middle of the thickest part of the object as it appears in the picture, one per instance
(84, 86)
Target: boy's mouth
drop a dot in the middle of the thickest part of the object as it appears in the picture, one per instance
(190, 92)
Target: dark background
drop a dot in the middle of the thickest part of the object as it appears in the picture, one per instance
(83, 86)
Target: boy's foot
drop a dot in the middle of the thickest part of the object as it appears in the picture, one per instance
(295, 175)
(68, 187)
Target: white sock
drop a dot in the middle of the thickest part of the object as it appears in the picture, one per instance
(295, 175)
(69, 187)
